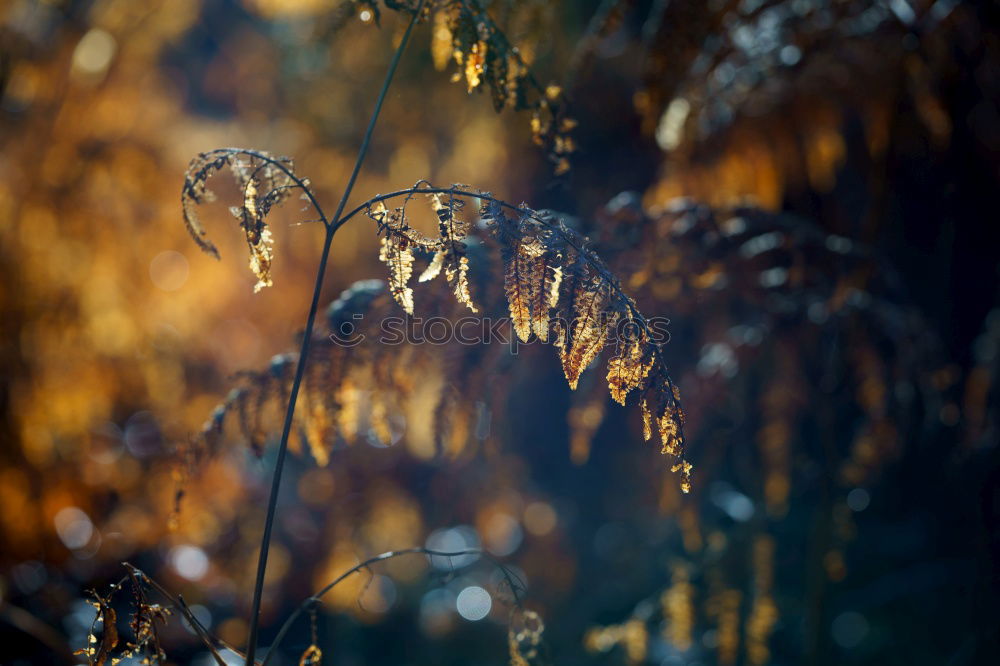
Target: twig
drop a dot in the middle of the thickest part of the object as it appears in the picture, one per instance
(178, 604)
(316, 598)
(143, 601)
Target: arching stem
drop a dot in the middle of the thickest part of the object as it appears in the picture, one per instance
(315, 599)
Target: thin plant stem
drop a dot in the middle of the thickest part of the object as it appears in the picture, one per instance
(272, 503)
(316, 598)
(265, 542)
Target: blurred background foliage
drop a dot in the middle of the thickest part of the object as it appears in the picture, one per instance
(830, 275)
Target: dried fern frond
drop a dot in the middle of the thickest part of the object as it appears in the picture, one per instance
(588, 308)
(146, 622)
(533, 256)
(463, 32)
(547, 266)
(264, 180)
(555, 288)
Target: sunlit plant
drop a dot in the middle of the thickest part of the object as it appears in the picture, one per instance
(556, 289)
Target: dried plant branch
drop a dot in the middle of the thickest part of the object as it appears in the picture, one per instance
(556, 286)
(316, 599)
(639, 364)
(211, 642)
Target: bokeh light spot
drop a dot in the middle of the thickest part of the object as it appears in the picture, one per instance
(502, 534)
(540, 518)
(202, 614)
(74, 527)
(189, 561)
(93, 53)
(858, 499)
(142, 435)
(473, 603)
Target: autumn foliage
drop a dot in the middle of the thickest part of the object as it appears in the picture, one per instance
(775, 210)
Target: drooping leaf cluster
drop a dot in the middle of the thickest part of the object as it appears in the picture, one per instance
(264, 183)
(448, 250)
(555, 286)
(464, 33)
(557, 290)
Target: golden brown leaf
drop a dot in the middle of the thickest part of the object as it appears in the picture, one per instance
(261, 256)
(539, 300)
(517, 285)
(669, 421)
(588, 329)
(647, 421)
(458, 276)
(453, 230)
(395, 252)
(629, 367)
(553, 280)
